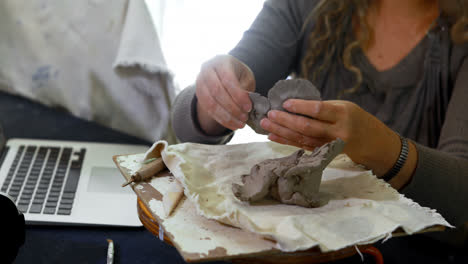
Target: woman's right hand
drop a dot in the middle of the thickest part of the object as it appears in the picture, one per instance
(222, 89)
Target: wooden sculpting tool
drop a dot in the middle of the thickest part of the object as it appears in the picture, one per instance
(150, 168)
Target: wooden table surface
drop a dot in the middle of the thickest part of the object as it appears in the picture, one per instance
(310, 256)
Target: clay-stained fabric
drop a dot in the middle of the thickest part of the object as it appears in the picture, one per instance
(100, 60)
(195, 237)
(361, 209)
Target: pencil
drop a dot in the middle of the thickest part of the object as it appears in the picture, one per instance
(110, 252)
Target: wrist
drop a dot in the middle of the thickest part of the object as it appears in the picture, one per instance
(407, 171)
(378, 152)
(387, 151)
(386, 155)
(400, 162)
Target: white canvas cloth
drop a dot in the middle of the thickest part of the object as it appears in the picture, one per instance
(99, 59)
(362, 209)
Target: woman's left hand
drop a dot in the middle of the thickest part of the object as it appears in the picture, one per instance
(313, 123)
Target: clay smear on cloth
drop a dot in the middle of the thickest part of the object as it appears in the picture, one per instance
(361, 208)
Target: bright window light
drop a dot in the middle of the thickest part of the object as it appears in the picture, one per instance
(193, 31)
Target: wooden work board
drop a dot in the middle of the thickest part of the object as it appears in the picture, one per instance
(249, 247)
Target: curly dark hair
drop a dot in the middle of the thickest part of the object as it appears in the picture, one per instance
(333, 20)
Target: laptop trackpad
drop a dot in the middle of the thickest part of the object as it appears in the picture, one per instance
(105, 179)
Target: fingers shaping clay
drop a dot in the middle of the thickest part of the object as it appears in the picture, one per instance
(280, 92)
(294, 179)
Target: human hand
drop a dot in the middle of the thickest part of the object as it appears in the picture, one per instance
(313, 123)
(222, 88)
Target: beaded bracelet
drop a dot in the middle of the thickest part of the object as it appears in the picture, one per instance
(400, 162)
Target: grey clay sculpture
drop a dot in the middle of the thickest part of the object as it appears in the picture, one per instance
(294, 179)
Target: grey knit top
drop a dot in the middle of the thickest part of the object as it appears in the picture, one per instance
(424, 98)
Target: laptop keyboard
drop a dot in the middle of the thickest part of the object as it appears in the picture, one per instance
(43, 180)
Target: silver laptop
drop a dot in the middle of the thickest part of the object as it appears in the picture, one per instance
(68, 183)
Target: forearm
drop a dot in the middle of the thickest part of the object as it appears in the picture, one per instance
(440, 181)
(431, 177)
(380, 150)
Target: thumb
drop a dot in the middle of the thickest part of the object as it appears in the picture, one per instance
(247, 79)
(244, 74)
